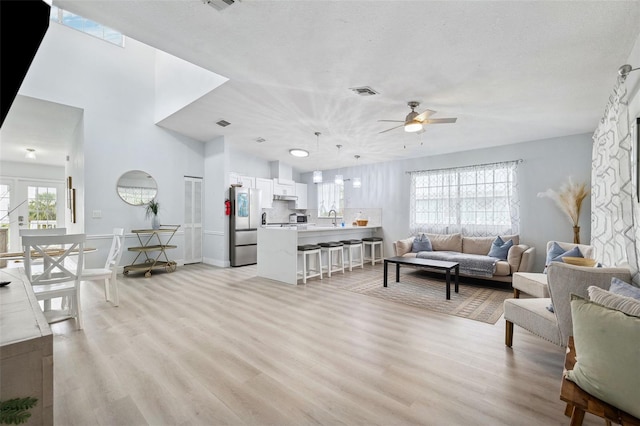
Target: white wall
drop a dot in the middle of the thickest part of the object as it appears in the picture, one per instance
(546, 164)
(115, 88)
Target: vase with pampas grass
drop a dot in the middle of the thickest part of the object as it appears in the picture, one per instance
(569, 198)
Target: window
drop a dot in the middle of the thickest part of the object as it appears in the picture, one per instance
(42, 207)
(330, 197)
(475, 201)
(86, 26)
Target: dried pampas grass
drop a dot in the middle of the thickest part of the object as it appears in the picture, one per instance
(569, 198)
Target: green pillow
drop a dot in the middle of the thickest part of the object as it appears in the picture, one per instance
(607, 354)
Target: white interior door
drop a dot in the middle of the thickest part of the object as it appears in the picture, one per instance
(193, 220)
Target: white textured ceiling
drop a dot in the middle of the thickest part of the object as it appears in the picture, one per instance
(510, 71)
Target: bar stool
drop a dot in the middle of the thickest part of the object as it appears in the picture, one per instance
(349, 246)
(372, 242)
(307, 271)
(330, 248)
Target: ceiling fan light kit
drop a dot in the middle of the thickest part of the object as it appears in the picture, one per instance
(415, 122)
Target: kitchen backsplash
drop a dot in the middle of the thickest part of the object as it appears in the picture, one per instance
(374, 216)
(281, 210)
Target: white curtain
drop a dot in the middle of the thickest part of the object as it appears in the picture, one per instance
(614, 209)
(479, 200)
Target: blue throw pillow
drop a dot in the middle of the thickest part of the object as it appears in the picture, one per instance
(500, 249)
(574, 252)
(554, 251)
(421, 243)
(624, 289)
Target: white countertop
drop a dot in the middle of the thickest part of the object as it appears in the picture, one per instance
(314, 228)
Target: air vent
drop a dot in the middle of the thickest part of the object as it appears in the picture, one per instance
(223, 123)
(219, 5)
(260, 140)
(364, 91)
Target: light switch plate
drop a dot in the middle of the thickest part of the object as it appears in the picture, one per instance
(97, 214)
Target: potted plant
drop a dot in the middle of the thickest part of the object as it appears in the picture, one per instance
(152, 211)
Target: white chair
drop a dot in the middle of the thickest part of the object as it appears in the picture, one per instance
(535, 283)
(60, 275)
(110, 270)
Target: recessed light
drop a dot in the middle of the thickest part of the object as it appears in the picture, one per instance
(297, 152)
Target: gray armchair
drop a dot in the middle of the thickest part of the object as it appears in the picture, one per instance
(563, 280)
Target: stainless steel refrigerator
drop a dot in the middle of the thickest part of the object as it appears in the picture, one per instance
(243, 225)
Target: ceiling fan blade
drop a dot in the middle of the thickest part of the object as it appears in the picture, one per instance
(440, 120)
(385, 131)
(393, 121)
(421, 117)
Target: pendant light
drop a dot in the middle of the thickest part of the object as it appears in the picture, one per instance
(357, 183)
(338, 180)
(317, 174)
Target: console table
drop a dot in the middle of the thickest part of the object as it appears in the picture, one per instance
(26, 347)
(151, 241)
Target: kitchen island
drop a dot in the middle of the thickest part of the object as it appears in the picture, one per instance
(278, 246)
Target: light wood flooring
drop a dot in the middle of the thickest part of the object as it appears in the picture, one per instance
(219, 346)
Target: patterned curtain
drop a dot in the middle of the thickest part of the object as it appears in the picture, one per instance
(614, 233)
(479, 200)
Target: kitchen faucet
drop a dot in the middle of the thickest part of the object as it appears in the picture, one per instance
(335, 217)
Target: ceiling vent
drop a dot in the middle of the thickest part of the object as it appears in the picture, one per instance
(223, 123)
(364, 91)
(260, 140)
(219, 5)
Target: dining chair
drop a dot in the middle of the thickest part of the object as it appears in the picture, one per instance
(109, 272)
(60, 275)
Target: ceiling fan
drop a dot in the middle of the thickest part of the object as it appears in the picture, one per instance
(414, 122)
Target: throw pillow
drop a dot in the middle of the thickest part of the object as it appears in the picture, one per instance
(624, 289)
(606, 343)
(574, 252)
(500, 249)
(554, 251)
(421, 243)
(628, 305)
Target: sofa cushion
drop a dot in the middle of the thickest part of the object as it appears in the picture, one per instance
(500, 248)
(628, 305)
(421, 243)
(482, 245)
(403, 246)
(607, 351)
(446, 242)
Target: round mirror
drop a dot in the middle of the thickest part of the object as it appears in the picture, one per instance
(137, 188)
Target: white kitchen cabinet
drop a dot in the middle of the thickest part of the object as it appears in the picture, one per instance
(284, 187)
(301, 193)
(246, 181)
(266, 187)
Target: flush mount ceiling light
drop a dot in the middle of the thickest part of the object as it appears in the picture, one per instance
(317, 174)
(31, 154)
(297, 152)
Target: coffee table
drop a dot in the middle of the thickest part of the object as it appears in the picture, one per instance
(427, 264)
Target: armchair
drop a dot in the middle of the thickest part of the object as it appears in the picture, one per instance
(563, 280)
(535, 283)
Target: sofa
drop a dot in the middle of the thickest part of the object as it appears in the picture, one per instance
(462, 249)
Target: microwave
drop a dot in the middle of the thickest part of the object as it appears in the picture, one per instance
(297, 218)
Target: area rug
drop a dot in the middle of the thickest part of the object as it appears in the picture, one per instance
(420, 290)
